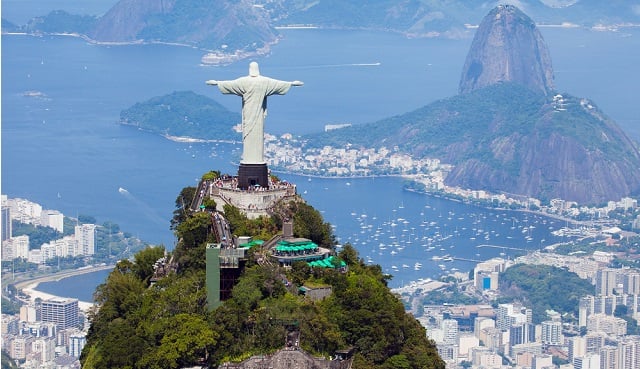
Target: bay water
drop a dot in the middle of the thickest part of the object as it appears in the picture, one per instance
(62, 146)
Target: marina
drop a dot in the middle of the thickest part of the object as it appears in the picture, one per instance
(428, 238)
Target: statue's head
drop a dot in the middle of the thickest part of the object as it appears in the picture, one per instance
(254, 71)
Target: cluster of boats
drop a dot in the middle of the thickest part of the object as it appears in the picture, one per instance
(402, 241)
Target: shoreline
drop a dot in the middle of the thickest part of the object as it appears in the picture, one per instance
(30, 286)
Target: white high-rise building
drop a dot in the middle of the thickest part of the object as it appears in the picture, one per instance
(20, 347)
(589, 361)
(608, 357)
(486, 273)
(542, 361)
(64, 312)
(631, 283)
(15, 247)
(48, 251)
(35, 256)
(53, 219)
(629, 353)
(29, 313)
(552, 333)
(19, 246)
(510, 314)
(6, 223)
(450, 331)
(77, 341)
(607, 324)
(484, 357)
(45, 347)
(25, 211)
(465, 343)
(481, 323)
(8, 251)
(606, 281)
(86, 238)
(66, 246)
(586, 307)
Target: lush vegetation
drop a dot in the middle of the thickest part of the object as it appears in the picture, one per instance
(183, 114)
(482, 116)
(542, 288)
(167, 324)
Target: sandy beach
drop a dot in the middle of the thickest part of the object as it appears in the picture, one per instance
(34, 294)
(29, 287)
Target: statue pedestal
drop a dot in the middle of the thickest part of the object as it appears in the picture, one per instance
(250, 175)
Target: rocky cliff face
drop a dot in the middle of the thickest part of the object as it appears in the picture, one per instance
(507, 47)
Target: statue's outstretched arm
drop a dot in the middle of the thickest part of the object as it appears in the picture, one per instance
(212, 82)
(297, 83)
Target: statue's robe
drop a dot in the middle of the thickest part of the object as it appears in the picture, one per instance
(254, 91)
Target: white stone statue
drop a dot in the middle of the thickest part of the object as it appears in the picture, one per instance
(254, 90)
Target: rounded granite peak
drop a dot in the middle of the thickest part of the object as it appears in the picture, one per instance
(507, 47)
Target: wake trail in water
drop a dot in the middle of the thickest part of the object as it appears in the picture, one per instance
(143, 207)
(322, 66)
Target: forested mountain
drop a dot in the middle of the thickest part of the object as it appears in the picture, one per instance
(544, 287)
(167, 324)
(506, 138)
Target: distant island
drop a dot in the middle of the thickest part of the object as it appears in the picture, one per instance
(183, 116)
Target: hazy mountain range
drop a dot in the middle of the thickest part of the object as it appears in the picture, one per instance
(251, 26)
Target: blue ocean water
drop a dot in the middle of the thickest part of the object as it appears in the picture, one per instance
(81, 287)
(61, 146)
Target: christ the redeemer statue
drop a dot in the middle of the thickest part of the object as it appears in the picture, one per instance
(254, 90)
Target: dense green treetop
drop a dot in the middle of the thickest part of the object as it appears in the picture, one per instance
(167, 324)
